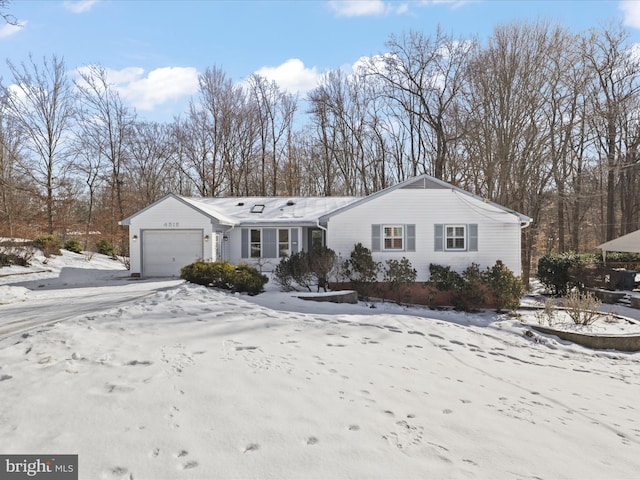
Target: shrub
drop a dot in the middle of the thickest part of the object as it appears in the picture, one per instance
(73, 245)
(248, 279)
(472, 293)
(443, 278)
(243, 278)
(507, 289)
(361, 269)
(554, 272)
(49, 244)
(582, 307)
(399, 274)
(105, 247)
(470, 287)
(16, 255)
(292, 270)
(323, 263)
(215, 274)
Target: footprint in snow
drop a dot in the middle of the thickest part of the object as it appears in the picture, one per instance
(252, 447)
(311, 441)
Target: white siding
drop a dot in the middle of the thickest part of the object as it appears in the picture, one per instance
(168, 214)
(498, 231)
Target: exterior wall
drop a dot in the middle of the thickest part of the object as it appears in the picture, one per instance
(498, 231)
(169, 214)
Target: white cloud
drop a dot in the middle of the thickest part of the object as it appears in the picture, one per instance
(631, 9)
(292, 76)
(156, 88)
(79, 6)
(358, 8)
(7, 30)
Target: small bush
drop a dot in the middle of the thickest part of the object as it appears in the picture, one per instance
(73, 245)
(361, 269)
(323, 263)
(548, 313)
(582, 308)
(223, 274)
(16, 255)
(294, 271)
(507, 289)
(399, 274)
(49, 244)
(105, 247)
(247, 279)
(443, 278)
(469, 288)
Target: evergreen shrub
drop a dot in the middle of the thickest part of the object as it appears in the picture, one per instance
(49, 244)
(223, 274)
(73, 245)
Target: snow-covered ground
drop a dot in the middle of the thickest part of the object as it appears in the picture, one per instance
(192, 383)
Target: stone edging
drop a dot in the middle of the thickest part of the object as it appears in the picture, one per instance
(623, 343)
(344, 296)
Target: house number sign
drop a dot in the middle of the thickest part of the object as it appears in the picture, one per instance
(171, 224)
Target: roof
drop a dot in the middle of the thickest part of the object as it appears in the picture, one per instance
(266, 210)
(426, 182)
(626, 243)
(233, 211)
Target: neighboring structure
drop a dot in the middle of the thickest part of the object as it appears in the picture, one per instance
(423, 219)
(627, 243)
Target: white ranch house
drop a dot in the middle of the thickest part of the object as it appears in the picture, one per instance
(423, 218)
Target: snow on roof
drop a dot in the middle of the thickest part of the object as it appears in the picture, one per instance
(264, 210)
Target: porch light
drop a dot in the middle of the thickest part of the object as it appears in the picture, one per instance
(206, 238)
(135, 238)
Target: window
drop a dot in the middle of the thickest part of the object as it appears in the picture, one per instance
(455, 237)
(257, 208)
(283, 242)
(269, 242)
(256, 243)
(316, 239)
(398, 238)
(393, 237)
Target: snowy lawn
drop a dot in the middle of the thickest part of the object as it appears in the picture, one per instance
(192, 383)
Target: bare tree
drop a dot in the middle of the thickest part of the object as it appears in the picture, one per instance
(105, 125)
(6, 16)
(616, 70)
(13, 185)
(42, 103)
(150, 168)
(426, 76)
(275, 110)
(508, 131)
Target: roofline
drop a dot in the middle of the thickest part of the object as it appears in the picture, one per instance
(127, 221)
(523, 218)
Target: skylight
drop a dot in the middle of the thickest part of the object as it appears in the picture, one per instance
(257, 208)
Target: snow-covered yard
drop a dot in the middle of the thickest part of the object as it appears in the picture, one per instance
(192, 383)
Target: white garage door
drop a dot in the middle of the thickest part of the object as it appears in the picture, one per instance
(165, 252)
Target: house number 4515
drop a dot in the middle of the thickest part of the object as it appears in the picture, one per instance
(171, 224)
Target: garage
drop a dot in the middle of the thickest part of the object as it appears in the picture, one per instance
(165, 252)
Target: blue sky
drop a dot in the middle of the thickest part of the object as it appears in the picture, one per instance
(154, 50)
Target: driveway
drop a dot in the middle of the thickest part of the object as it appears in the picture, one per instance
(72, 293)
